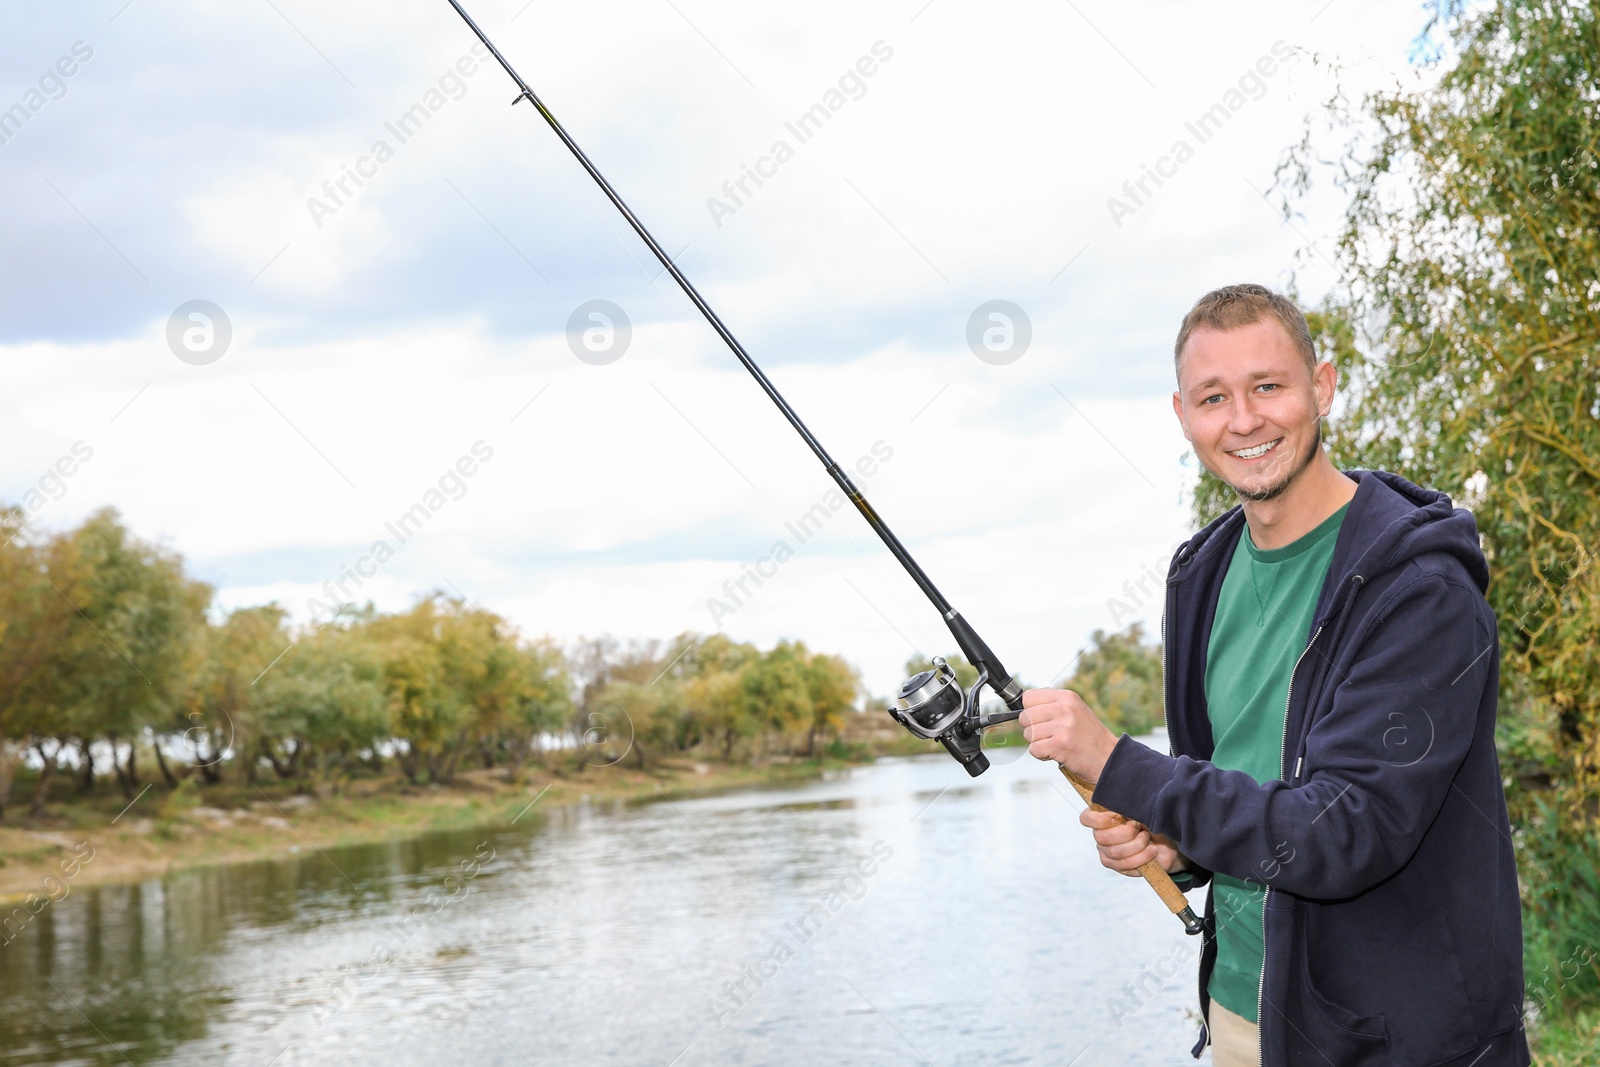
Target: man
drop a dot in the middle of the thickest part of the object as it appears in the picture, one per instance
(1331, 675)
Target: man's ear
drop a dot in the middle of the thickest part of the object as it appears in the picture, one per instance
(1326, 379)
(1177, 409)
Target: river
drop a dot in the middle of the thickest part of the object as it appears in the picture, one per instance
(897, 913)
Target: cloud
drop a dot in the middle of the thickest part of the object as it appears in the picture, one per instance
(429, 309)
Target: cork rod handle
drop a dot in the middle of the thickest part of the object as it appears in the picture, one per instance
(1153, 872)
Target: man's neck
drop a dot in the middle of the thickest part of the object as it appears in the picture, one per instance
(1319, 491)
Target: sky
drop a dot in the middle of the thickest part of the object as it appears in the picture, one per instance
(397, 271)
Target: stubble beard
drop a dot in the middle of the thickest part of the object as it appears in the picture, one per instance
(1278, 488)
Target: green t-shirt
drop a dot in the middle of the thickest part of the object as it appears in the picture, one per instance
(1262, 624)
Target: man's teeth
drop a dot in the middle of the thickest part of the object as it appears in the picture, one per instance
(1258, 450)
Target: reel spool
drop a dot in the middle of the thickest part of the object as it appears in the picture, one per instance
(933, 706)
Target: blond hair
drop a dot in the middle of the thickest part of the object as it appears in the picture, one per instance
(1234, 306)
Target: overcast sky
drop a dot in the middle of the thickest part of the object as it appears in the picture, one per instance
(957, 154)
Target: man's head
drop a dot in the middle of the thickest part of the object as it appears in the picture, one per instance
(1251, 394)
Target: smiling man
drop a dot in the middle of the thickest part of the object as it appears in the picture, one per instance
(1331, 671)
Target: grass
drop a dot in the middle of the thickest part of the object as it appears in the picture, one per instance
(1570, 1041)
(1561, 934)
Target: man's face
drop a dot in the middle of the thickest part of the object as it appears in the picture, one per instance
(1251, 407)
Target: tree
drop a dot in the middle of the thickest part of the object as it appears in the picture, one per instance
(722, 704)
(523, 696)
(635, 718)
(1119, 676)
(603, 730)
(322, 704)
(457, 679)
(1467, 329)
(1471, 248)
(223, 711)
(775, 690)
(34, 623)
(705, 700)
(833, 686)
(126, 658)
(427, 711)
(479, 662)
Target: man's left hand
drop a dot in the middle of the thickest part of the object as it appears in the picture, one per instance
(1059, 726)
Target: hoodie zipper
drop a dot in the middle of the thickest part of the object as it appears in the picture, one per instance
(1172, 749)
(1283, 744)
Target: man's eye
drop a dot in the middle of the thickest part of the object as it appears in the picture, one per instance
(1268, 385)
(1212, 399)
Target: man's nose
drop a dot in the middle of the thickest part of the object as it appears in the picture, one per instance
(1245, 419)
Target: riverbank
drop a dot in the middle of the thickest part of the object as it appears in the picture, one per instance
(103, 838)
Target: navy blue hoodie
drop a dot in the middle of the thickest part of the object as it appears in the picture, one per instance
(1392, 921)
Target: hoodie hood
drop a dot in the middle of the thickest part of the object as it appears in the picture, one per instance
(1390, 521)
(1399, 521)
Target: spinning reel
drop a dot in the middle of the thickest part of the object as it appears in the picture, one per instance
(933, 707)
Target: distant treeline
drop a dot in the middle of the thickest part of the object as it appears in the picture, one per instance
(109, 651)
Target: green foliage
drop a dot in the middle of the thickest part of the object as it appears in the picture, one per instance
(1119, 676)
(774, 688)
(833, 687)
(107, 632)
(723, 708)
(636, 718)
(848, 751)
(321, 704)
(130, 664)
(709, 691)
(538, 701)
(1561, 908)
(454, 677)
(35, 621)
(1466, 328)
(223, 708)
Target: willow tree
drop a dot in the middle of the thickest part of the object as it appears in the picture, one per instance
(1466, 326)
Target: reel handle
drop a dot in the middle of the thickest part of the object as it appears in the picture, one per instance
(1153, 872)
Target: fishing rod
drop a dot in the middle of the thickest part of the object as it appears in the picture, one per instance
(933, 704)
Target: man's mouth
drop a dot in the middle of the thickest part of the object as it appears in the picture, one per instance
(1255, 450)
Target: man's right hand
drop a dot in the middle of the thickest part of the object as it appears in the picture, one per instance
(1126, 845)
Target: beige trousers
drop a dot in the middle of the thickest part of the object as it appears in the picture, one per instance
(1234, 1042)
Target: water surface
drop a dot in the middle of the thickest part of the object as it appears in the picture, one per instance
(899, 913)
